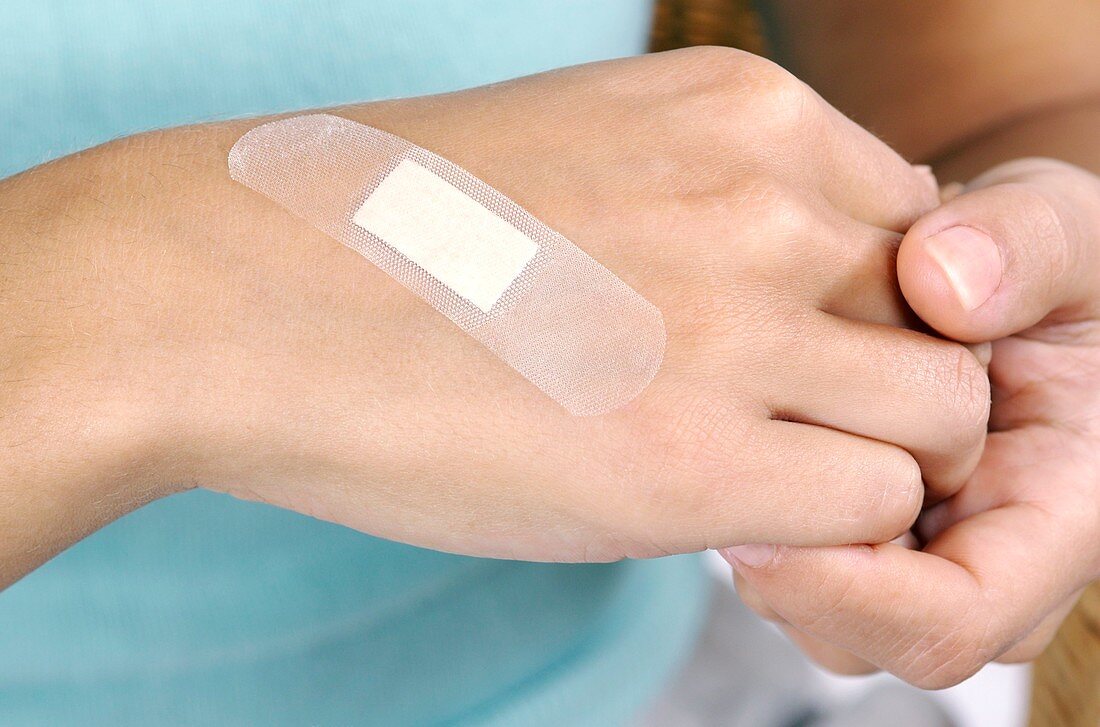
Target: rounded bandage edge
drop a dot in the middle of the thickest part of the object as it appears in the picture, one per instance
(559, 318)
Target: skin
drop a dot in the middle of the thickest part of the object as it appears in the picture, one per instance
(169, 335)
(1003, 560)
(962, 84)
(1011, 551)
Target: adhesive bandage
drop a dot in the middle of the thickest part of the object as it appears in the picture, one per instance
(548, 310)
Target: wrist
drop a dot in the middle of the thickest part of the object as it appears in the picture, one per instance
(77, 454)
(82, 430)
(248, 340)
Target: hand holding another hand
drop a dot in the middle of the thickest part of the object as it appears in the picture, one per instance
(1014, 259)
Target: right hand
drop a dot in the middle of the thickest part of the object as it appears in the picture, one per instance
(1014, 259)
(793, 405)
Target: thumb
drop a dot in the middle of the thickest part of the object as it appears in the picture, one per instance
(1018, 246)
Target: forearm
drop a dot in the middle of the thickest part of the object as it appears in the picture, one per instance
(139, 291)
(177, 329)
(77, 444)
(167, 328)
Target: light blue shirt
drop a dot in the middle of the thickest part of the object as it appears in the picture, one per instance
(201, 609)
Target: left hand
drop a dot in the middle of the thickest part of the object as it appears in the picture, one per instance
(1014, 259)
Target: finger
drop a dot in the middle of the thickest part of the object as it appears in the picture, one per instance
(928, 396)
(1016, 249)
(829, 656)
(1031, 646)
(859, 275)
(819, 148)
(988, 488)
(935, 617)
(799, 484)
(997, 482)
(983, 352)
(868, 180)
(849, 267)
(753, 601)
(833, 658)
(824, 654)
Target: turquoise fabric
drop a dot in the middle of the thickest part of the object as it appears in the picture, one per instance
(201, 609)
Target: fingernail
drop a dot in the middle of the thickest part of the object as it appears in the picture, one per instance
(752, 555)
(970, 261)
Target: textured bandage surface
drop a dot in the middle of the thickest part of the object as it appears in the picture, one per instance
(532, 297)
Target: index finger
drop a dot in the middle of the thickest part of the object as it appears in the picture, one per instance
(809, 142)
(931, 617)
(860, 174)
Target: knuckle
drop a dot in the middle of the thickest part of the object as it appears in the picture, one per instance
(902, 498)
(891, 495)
(966, 391)
(726, 70)
(792, 106)
(940, 670)
(691, 449)
(716, 58)
(715, 81)
(783, 95)
(773, 210)
(709, 77)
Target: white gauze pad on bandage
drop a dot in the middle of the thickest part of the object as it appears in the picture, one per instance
(548, 310)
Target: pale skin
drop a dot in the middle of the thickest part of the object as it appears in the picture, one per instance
(1004, 559)
(179, 330)
(161, 344)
